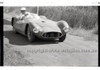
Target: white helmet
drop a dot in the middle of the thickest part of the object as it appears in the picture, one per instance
(23, 9)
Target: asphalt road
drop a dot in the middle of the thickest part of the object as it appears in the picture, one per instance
(74, 51)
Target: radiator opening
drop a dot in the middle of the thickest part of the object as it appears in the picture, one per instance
(52, 34)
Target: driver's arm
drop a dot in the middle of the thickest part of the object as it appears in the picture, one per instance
(20, 16)
(24, 15)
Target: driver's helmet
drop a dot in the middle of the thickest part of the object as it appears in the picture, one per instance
(23, 10)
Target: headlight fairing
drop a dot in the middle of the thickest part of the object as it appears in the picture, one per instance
(37, 29)
(63, 25)
(66, 29)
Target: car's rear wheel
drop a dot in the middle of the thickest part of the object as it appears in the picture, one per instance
(14, 30)
(62, 38)
(30, 35)
(12, 21)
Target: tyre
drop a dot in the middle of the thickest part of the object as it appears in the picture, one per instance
(12, 21)
(62, 38)
(30, 35)
(56, 40)
(14, 30)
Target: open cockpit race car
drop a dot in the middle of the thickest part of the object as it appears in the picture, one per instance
(35, 26)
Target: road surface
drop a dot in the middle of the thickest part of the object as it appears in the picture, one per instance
(74, 51)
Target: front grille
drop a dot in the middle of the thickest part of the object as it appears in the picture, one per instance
(51, 34)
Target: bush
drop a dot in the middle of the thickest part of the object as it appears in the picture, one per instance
(84, 17)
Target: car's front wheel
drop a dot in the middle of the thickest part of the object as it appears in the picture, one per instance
(62, 38)
(30, 35)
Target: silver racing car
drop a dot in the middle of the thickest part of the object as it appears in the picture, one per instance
(40, 27)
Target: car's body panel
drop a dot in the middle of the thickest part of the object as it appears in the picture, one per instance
(45, 25)
(20, 26)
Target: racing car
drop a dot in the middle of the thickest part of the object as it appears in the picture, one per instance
(40, 27)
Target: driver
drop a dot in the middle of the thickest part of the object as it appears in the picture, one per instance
(23, 13)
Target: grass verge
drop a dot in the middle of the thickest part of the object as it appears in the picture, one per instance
(88, 35)
(13, 57)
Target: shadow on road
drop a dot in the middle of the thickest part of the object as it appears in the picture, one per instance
(18, 39)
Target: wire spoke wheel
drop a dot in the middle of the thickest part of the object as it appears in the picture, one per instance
(14, 30)
(30, 35)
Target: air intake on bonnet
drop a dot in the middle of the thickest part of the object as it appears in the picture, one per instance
(51, 34)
